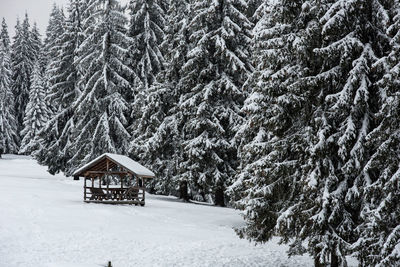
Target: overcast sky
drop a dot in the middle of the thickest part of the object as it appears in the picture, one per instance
(38, 11)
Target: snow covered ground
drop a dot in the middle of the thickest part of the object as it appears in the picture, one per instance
(44, 222)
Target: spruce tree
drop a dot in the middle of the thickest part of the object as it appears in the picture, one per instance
(36, 42)
(306, 174)
(22, 59)
(155, 134)
(8, 122)
(62, 43)
(106, 85)
(36, 113)
(54, 30)
(326, 214)
(63, 91)
(212, 78)
(146, 28)
(379, 232)
(4, 36)
(52, 48)
(273, 139)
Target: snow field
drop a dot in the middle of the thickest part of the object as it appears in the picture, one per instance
(44, 222)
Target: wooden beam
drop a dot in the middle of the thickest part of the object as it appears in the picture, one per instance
(89, 167)
(146, 176)
(107, 172)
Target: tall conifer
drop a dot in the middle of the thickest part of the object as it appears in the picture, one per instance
(36, 113)
(22, 60)
(378, 233)
(4, 36)
(212, 78)
(63, 91)
(274, 136)
(105, 83)
(146, 28)
(8, 121)
(155, 134)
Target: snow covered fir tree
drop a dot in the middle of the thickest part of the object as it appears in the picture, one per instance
(36, 112)
(8, 121)
(22, 60)
(63, 88)
(106, 87)
(285, 110)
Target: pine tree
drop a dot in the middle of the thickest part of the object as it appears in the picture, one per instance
(63, 42)
(274, 137)
(106, 85)
(63, 91)
(22, 59)
(305, 172)
(4, 37)
(379, 233)
(155, 134)
(36, 42)
(54, 31)
(146, 28)
(8, 122)
(212, 78)
(326, 214)
(52, 49)
(256, 9)
(36, 114)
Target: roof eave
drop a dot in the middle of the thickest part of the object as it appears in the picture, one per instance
(81, 172)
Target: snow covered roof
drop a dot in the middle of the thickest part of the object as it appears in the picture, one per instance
(123, 161)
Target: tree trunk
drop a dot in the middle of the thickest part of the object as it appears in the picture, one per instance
(183, 191)
(334, 259)
(317, 263)
(219, 197)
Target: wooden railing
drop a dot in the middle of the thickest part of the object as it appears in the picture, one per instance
(133, 195)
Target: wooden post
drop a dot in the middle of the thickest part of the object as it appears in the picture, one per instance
(144, 188)
(100, 180)
(84, 188)
(121, 177)
(108, 185)
(108, 178)
(92, 181)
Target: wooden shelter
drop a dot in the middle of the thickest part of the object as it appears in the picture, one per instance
(114, 179)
